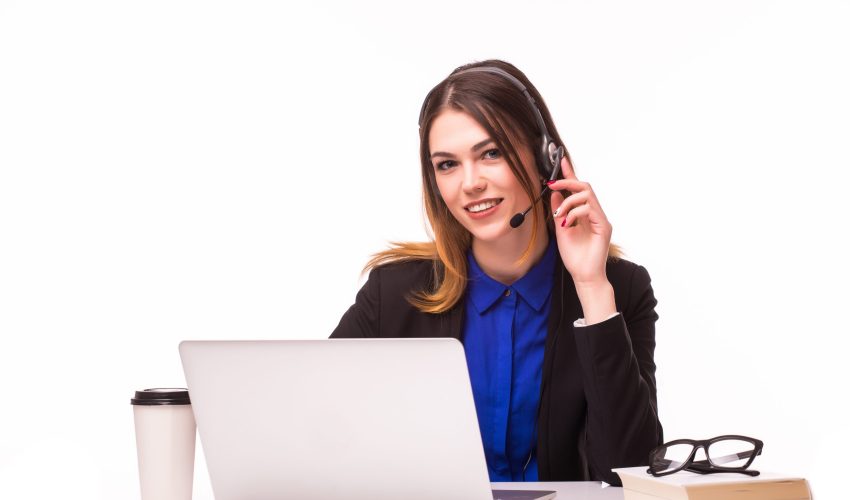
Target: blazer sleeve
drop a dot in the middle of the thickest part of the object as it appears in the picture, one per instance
(618, 374)
(362, 319)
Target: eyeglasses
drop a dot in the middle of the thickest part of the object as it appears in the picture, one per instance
(722, 454)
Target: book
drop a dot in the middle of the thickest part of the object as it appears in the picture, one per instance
(684, 485)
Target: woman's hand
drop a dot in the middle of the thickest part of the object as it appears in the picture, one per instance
(583, 234)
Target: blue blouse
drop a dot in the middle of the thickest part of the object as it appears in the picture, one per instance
(504, 333)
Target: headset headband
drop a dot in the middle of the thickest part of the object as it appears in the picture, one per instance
(498, 71)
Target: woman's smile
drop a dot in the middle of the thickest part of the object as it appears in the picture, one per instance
(483, 208)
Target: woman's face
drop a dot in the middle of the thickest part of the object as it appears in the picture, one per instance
(474, 177)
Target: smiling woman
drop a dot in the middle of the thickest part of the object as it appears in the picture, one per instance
(547, 410)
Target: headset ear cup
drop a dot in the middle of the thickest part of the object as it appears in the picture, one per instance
(544, 160)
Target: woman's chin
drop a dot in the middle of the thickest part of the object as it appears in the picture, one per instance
(491, 232)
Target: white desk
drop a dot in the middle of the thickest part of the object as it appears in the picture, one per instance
(576, 490)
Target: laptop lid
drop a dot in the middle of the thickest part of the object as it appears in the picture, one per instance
(332, 419)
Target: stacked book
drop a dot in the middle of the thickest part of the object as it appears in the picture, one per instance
(684, 485)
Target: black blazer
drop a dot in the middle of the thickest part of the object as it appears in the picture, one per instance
(598, 405)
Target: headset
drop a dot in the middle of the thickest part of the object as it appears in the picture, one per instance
(550, 154)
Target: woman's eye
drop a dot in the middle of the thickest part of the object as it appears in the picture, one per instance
(445, 165)
(492, 154)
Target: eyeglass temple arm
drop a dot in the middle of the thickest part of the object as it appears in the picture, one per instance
(726, 458)
(704, 467)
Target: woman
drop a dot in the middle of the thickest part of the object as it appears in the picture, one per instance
(559, 332)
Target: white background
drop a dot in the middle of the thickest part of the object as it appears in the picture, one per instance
(222, 170)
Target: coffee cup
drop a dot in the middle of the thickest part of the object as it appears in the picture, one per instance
(165, 443)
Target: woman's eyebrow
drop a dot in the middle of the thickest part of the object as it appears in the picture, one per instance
(474, 148)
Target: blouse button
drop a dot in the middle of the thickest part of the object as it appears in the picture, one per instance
(508, 292)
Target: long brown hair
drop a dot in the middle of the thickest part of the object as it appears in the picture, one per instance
(506, 114)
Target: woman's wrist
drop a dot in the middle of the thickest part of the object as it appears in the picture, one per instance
(597, 301)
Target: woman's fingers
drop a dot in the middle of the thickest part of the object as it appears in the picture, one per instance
(556, 199)
(567, 169)
(580, 203)
(572, 185)
(571, 202)
(580, 190)
(572, 217)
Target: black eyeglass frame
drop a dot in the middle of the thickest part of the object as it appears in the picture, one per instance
(709, 465)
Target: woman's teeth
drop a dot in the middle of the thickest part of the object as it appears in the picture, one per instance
(480, 207)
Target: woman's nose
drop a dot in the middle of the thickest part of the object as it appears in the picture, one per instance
(472, 179)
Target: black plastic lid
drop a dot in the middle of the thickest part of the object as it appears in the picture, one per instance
(157, 397)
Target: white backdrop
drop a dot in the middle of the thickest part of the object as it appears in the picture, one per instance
(222, 170)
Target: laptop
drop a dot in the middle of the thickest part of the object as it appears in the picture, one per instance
(340, 418)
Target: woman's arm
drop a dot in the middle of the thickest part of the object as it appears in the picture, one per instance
(362, 318)
(616, 354)
(618, 374)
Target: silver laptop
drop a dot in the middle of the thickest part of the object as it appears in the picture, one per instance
(330, 419)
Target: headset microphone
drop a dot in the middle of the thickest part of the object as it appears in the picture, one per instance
(519, 218)
(557, 155)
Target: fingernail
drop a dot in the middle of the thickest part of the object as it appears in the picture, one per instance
(563, 222)
(549, 183)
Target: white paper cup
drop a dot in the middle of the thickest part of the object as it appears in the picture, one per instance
(165, 442)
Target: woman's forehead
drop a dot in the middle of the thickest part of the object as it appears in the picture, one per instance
(455, 131)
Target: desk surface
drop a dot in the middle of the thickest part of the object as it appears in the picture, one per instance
(576, 490)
